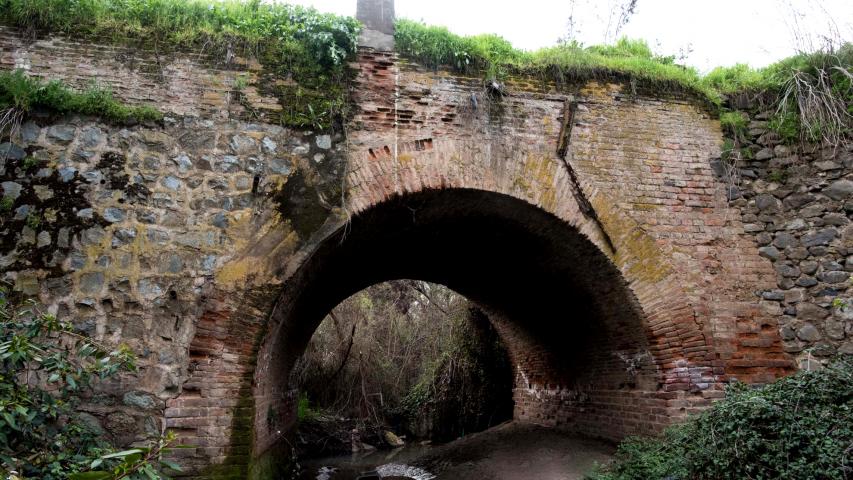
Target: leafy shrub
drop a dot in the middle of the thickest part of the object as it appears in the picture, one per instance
(45, 369)
(799, 427)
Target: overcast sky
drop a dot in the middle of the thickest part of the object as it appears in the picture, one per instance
(717, 32)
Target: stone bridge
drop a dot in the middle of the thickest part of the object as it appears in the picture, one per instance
(584, 218)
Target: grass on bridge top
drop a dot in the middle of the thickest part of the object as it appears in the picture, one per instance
(19, 94)
(313, 48)
(436, 46)
(292, 42)
(208, 25)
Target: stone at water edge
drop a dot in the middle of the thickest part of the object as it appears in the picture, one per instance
(392, 440)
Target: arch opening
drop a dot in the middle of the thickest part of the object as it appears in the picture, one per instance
(575, 333)
(408, 357)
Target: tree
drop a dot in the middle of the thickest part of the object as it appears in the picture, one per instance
(610, 17)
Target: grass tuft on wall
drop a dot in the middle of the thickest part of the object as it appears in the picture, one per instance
(20, 94)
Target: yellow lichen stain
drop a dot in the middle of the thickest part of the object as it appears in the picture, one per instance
(404, 159)
(460, 160)
(262, 248)
(637, 254)
(536, 177)
(240, 230)
(645, 207)
(235, 271)
(548, 125)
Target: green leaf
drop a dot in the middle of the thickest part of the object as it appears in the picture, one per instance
(149, 471)
(122, 454)
(10, 420)
(170, 464)
(96, 475)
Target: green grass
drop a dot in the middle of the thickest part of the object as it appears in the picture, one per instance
(735, 123)
(438, 47)
(292, 42)
(166, 24)
(23, 94)
(737, 78)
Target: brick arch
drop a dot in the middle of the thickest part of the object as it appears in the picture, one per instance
(689, 295)
(534, 175)
(645, 313)
(238, 405)
(239, 402)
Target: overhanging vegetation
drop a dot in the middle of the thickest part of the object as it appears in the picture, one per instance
(437, 46)
(813, 91)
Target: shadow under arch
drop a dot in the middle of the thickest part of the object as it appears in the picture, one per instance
(576, 334)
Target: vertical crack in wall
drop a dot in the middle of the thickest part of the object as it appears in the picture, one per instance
(396, 124)
(563, 143)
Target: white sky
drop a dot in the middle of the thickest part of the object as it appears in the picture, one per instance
(719, 32)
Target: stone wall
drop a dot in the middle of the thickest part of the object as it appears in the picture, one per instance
(796, 202)
(124, 229)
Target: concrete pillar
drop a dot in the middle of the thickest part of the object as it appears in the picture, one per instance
(378, 19)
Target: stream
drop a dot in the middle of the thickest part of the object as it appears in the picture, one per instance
(509, 451)
(389, 464)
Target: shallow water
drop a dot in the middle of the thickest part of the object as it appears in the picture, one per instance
(390, 464)
(507, 452)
